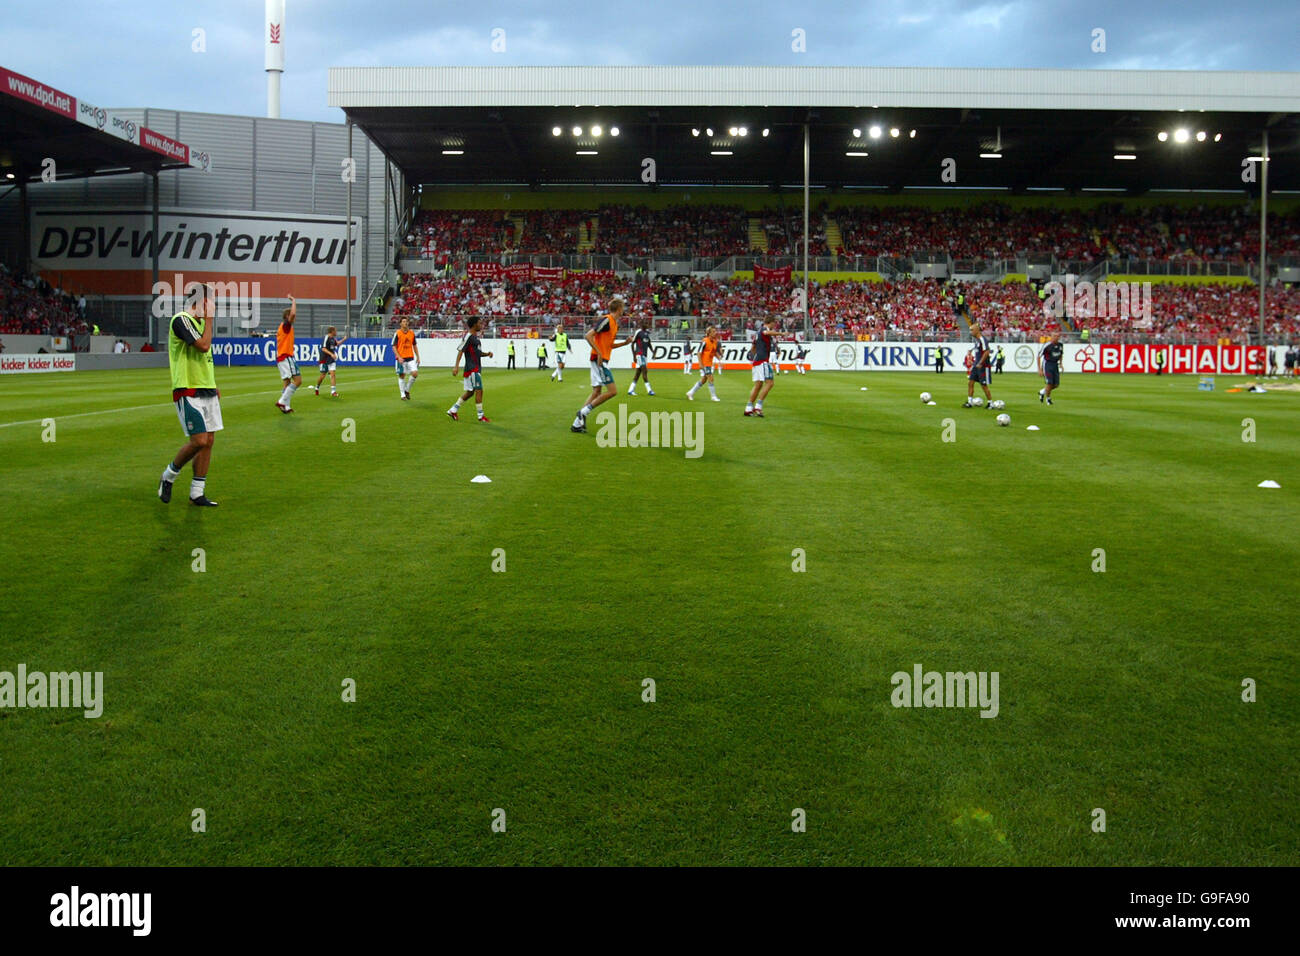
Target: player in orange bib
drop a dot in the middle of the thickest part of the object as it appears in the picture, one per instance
(602, 340)
(284, 357)
(406, 362)
(708, 357)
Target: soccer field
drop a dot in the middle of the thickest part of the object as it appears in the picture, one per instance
(522, 690)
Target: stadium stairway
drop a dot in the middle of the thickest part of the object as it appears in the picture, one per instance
(520, 224)
(587, 235)
(757, 235)
(834, 238)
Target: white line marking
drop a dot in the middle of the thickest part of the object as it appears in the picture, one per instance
(171, 405)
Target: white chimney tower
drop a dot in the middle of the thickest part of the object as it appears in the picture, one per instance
(274, 29)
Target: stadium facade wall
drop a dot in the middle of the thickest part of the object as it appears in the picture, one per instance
(288, 167)
(106, 363)
(102, 344)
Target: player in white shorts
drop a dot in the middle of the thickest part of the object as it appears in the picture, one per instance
(760, 355)
(194, 392)
(405, 359)
(329, 356)
(285, 362)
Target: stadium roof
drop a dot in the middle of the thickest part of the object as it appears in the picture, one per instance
(1052, 128)
(38, 122)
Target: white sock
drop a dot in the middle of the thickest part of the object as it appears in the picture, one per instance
(479, 407)
(694, 388)
(713, 391)
(455, 406)
(196, 486)
(170, 474)
(401, 386)
(284, 396)
(586, 410)
(749, 406)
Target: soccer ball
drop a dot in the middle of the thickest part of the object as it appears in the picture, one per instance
(1004, 420)
(997, 403)
(925, 397)
(977, 401)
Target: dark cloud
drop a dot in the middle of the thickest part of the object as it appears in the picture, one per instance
(139, 54)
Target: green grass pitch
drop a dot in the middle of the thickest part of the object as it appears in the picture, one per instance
(372, 560)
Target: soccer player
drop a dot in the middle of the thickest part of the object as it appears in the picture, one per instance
(760, 356)
(686, 356)
(979, 368)
(1049, 366)
(405, 361)
(641, 357)
(801, 358)
(472, 351)
(561, 340)
(602, 340)
(194, 390)
(541, 355)
(708, 358)
(329, 356)
(285, 363)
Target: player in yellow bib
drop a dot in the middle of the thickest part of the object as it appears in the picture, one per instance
(194, 392)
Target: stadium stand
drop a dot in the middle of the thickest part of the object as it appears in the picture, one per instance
(901, 308)
(986, 231)
(30, 306)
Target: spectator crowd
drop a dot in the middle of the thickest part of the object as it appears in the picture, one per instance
(990, 230)
(908, 307)
(31, 306)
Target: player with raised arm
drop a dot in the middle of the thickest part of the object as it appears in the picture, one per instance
(760, 357)
(471, 349)
(641, 357)
(800, 355)
(981, 364)
(194, 392)
(285, 363)
(405, 361)
(601, 338)
(1049, 367)
(708, 359)
(329, 356)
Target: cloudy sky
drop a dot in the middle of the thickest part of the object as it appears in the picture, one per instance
(126, 53)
